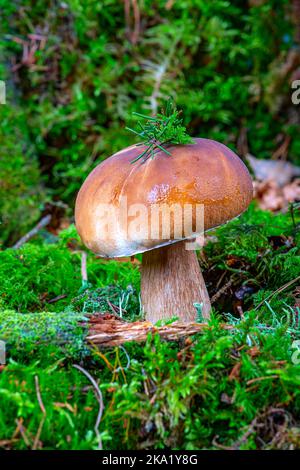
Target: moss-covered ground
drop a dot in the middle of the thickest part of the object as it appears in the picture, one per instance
(237, 388)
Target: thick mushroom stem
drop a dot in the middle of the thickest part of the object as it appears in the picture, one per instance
(171, 283)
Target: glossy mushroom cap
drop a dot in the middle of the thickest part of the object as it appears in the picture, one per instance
(204, 172)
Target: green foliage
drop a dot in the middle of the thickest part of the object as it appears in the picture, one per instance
(160, 131)
(231, 387)
(259, 251)
(218, 391)
(35, 275)
(112, 298)
(59, 334)
(20, 187)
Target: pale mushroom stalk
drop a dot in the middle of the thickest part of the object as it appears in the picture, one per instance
(172, 283)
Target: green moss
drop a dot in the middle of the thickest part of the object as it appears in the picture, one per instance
(228, 387)
(21, 192)
(214, 391)
(36, 274)
(259, 251)
(29, 334)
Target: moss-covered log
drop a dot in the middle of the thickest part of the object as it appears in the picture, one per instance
(27, 331)
(75, 332)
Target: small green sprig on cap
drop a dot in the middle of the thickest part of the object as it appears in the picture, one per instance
(158, 132)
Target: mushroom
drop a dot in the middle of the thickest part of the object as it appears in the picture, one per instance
(115, 211)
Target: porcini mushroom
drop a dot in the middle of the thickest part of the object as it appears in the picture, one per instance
(114, 216)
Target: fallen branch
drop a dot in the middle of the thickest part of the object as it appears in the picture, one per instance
(75, 331)
(107, 330)
(277, 291)
(42, 223)
(57, 298)
(222, 291)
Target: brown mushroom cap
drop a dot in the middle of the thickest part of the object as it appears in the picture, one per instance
(205, 172)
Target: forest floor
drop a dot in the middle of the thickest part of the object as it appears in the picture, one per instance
(222, 388)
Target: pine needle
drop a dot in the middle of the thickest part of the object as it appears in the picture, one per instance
(158, 132)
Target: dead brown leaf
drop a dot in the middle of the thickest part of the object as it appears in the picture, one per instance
(235, 372)
(280, 171)
(271, 196)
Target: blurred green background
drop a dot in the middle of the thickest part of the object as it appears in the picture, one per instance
(76, 69)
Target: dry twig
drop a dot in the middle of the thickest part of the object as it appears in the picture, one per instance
(43, 409)
(107, 330)
(100, 401)
(42, 223)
